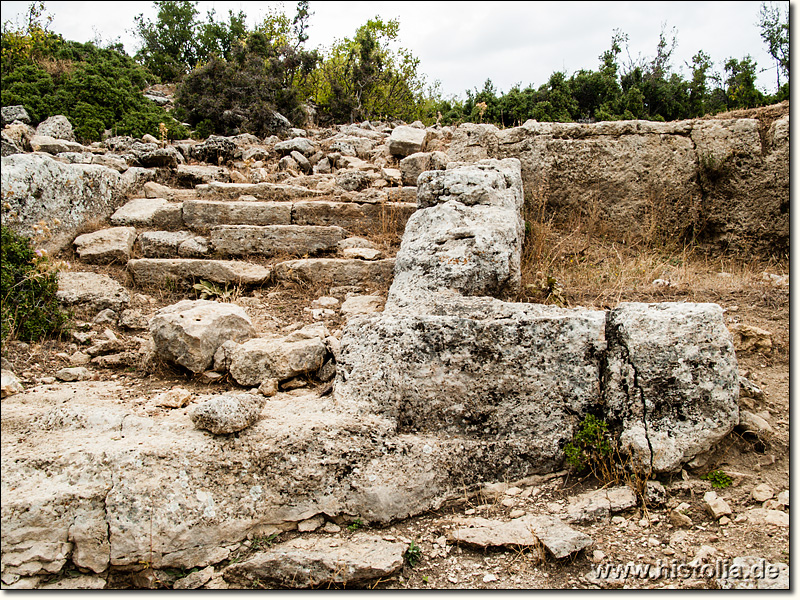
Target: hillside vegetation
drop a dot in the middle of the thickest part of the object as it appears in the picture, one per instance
(227, 76)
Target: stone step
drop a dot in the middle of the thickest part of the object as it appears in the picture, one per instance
(336, 271)
(261, 191)
(361, 219)
(271, 240)
(183, 272)
(198, 214)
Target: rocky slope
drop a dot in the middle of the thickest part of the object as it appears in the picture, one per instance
(246, 471)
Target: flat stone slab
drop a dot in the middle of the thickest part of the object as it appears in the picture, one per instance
(208, 213)
(334, 271)
(313, 562)
(93, 290)
(161, 244)
(356, 217)
(599, 504)
(106, 245)
(156, 213)
(187, 271)
(262, 191)
(271, 240)
(559, 538)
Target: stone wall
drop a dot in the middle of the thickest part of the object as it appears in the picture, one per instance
(722, 182)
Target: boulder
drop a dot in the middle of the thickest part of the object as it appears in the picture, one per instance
(92, 291)
(106, 245)
(412, 166)
(39, 188)
(259, 359)
(314, 562)
(188, 333)
(503, 372)
(226, 413)
(153, 155)
(192, 175)
(405, 140)
(671, 379)
(15, 113)
(468, 235)
(9, 383)
(216, 150)
(51, 145)
(301, 145)
(57, 126)
(9, 146)
(353, 180)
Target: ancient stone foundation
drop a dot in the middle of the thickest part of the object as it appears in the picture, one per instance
(450, 386)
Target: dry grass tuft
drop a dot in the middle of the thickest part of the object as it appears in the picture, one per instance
(576, 264)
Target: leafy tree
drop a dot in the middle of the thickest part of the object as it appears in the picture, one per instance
(775, 32)
(240, 93)
(741, 83)
(362, 77)
(95, 88)
(698, 88)
(218, 37)
(170, 45)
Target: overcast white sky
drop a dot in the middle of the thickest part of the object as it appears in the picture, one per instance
(461, 44)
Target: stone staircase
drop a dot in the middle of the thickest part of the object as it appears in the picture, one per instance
(247, 234)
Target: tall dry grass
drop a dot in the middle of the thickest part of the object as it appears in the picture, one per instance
(575, 263)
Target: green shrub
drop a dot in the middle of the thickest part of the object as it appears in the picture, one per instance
(593, 448)
(413, 554)
(718, 479)
(95, 88)
(28, 286)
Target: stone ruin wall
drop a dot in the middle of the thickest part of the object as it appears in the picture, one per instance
(722, 182)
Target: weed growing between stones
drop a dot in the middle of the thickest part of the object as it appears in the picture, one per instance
(719, 479)
(28, 285)
(355, 525)
(593, 449)
(413, 554)
(208, 290)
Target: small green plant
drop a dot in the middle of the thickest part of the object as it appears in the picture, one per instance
(355, 525)
(29, 309)
(425, 579)
(413, 555)
(207, 289)
(718, 479)
(593, 448)
(262, 542)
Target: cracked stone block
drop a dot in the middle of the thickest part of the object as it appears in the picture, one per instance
(671, 379)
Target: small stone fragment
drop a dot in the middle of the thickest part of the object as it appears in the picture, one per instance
(73, 374)
(762, 493)
(715, 505)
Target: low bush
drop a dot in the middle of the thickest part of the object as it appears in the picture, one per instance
(28, 284)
